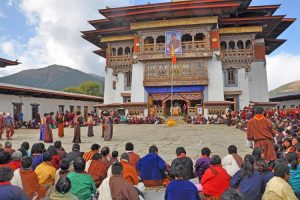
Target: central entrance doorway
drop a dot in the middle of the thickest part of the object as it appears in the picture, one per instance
(181, 104)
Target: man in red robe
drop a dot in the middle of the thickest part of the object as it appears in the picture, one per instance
(260, 130)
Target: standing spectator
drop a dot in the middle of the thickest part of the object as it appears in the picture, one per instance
(260, 130)
(20, 118)
(202, 163)
(8, 191)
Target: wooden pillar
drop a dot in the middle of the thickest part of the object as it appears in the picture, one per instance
(137, 44)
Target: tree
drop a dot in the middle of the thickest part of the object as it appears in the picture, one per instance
(88, 88)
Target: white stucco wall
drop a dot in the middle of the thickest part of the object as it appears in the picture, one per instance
(215, 90)
(45, 105)
(109, 93)
(243, 85)
(258, 82)
(138, 93)
(119, 88)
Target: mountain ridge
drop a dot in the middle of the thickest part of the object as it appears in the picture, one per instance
(52, 77)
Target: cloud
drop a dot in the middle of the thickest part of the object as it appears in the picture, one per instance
(58, 39)
(282, 68)
(2, 15)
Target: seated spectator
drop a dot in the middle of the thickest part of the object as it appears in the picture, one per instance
(129, 173)
(95, 148)
(249, 181)
(64, 169)
(259, 158)
(184, 161)
(45, 171)
(97, 169)
(55, 156)
(60, 150)
(4, 159)
(8, 191)
(75, 153)
(294, 179)
(202, 163)
(181, 188)
(16, 160)
(215, 179)
(83, 185)
(36, 155)
(105, 155)
(114, 156)
(152, 168)
(26, 179)
(288, 146)
(23, 151)
(133, 157)
(116, 187)
(8, 147)
(231, 194)
(26, 146)
(62, 190)
(232, 162)
(278, 187)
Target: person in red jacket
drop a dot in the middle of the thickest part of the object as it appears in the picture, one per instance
(215, 179)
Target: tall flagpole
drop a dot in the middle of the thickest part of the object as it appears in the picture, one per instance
(172, 85)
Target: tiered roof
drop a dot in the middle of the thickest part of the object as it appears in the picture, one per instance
(5, 62)
(231, 13)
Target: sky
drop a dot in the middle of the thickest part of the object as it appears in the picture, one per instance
(43, 32)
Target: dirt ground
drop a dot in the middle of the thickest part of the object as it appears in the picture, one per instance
(167, 139)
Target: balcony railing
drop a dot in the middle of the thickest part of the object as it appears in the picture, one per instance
(123, 59)
(242, 55)
(187, 47)
(182, 75)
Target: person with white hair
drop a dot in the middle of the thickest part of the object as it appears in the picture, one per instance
(1, 124)
(16, 160)
(9, 126)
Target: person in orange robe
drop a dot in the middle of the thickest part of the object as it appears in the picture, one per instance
(97, 169)
(27, 179)
(60, 123)
(129, 172)
(260, 130)
(95, 148)
(133, 157)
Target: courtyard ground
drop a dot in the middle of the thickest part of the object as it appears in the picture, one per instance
(167, 139)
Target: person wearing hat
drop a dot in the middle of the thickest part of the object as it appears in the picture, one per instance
(260, 130)
(9, 126)
(1, 124)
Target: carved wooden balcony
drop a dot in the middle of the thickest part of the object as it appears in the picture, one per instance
(161, 75)
(121, 63)
(189, 49)
(237, 56)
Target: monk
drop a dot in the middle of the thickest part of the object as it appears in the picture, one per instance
(261, 131)
(77, 121)
(60, 123)
(95, 148)
(1, 124)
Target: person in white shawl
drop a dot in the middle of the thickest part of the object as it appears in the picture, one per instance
(232, 162)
